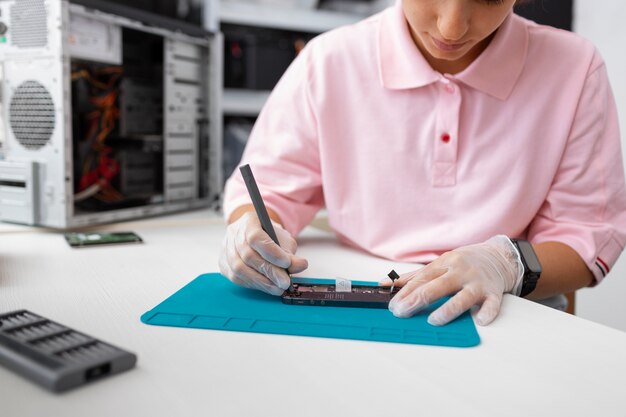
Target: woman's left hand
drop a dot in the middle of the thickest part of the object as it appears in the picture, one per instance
(478, 274)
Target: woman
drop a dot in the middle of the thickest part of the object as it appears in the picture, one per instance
(430, 128)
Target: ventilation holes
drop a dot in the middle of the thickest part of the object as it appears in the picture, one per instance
(31, 115)
(29, 24)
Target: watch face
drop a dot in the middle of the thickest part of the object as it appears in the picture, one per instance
(528, 253)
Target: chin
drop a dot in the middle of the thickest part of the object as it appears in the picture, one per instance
(447, 56)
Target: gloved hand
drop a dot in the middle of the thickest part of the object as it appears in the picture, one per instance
(250, 258)
(478, 274)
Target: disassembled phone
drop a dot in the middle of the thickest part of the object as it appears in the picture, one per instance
(364, 296)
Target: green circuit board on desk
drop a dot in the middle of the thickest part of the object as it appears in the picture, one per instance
(85, 239)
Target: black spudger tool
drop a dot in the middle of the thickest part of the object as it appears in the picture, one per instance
(259, 206)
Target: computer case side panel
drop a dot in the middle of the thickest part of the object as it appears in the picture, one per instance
(35, 129)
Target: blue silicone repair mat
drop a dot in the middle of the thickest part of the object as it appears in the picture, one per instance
(211, 301)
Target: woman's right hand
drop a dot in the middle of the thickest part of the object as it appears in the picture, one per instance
(250, 258)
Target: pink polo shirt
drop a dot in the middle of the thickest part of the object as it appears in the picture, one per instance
(411, 163)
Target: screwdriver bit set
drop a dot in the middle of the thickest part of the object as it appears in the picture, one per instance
(56, 356)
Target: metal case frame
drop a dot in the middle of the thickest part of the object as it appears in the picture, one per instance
(36, 180)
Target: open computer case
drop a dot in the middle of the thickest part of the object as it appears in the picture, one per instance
(105, 115)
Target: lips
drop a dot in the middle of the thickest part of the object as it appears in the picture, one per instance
(448, 47)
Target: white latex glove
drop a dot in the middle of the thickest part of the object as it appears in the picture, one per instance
(250, 258)
(478, 274)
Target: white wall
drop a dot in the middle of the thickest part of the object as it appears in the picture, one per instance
(604, 23)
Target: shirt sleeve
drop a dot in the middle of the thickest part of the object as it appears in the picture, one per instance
(283, 153)
(586, 205)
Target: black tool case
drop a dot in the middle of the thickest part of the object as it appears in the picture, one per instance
(55, 356)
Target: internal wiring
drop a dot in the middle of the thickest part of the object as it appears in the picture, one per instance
(99, 168)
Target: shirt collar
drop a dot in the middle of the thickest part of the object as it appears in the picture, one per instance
(401, 63)
(494, 72)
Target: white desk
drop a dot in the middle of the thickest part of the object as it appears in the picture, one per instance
(532, 360)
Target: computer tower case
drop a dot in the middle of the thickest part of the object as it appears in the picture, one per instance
(104, 117)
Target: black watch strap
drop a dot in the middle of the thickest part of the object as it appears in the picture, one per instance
(532, 267)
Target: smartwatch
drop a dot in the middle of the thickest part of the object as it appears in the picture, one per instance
(532, 267)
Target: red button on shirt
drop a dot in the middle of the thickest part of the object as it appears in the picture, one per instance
(445, 138)
(450, 88)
